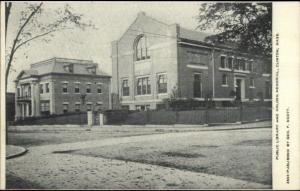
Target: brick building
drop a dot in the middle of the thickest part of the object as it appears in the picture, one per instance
(153, 60)
(61, 85)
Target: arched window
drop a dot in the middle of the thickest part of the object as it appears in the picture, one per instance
(140, 49)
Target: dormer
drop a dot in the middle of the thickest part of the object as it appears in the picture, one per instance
(69, 68)
(91, 69)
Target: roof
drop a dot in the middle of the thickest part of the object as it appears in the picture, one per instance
(56, 65)
(192, 35)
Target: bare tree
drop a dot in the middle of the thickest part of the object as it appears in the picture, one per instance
(35, 23)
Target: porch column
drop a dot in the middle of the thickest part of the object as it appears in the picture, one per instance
(27, 109)
(33, 112)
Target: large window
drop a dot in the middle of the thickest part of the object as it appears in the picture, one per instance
(268, 90)
(223, 62)
(162, 83)
(65, 108)
(65, 88)
(197, 85)
(251, 83)
(230, 62)
(41, 88)
(99, 88)
(47, 88)
(45, 107)
(125, 88)
(224, 80)
(88, 88)
(77, 107)
(250, 66)
(89, 107)
(77, 89)
(143, 86)
(141, 49)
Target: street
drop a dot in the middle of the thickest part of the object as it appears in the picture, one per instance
(196, 158)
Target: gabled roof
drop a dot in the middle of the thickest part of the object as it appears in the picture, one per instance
(27, 73)
(193, 35)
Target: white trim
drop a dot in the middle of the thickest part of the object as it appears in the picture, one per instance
(242, 71)
(89, 103)
(100, 102)
(65, 103)
(88, 83)
(141, 101)
(266, 75)
(64, 82)
(225, 69)
(77, 103)
(252, 87)
(198, 98)
(99, 83)
(267, 99)
(225, 85)
(77, 82)
(197, 67)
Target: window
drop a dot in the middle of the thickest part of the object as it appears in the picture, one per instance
(47, 88)
(242, 64)
(65, 87)
(88, 88)
(251, 83)
(45, 107)
(143, 86)
(250, 66)
(162, 83)
(65, 108)
(18, 92)
(142, 107)
(141, 50)
(77, 89)
(91, 70)
(268, 90)
(237, 64)
(89, 107)
(99, 88)
(99, 106)
(77, 107)
(125, 88)
(41, 88)
(223, 62)
(224, 79)
(69, 68)
(197, 85)
(230, 62)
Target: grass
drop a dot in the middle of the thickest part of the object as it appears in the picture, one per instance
(14, 182)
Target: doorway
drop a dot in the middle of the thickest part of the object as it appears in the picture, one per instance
(239, 88)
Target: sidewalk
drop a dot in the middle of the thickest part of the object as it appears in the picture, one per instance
(175, 127)
(14, 151)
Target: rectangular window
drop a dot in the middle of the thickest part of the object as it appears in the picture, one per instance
(242, 64)
(250, 66)
(99, 88)
(125, 88)
(47, 88)
(223, 62)
(197, 85)
(65, 108)
(237, 64)
(224, 79)
(45, 107)
(251, 83)
(88, 88)
(77, 89)
(91, 70)
(230, 62)
(77, 107)
(143, 86)
(19, 92)
(65, 88)
(89, 107)
(99, 106)
(162, 83)
(41, 88)
(268, 90)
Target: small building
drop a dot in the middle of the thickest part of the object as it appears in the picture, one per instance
(153, 61)
(61, 85)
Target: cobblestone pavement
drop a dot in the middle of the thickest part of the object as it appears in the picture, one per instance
(56, 171)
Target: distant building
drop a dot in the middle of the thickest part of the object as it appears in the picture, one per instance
(61, 85)
(153, 61)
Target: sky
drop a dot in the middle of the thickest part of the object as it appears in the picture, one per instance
(111, 20)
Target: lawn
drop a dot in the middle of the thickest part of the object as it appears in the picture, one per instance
(240, 154)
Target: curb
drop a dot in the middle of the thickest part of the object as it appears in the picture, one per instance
(24, 151)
